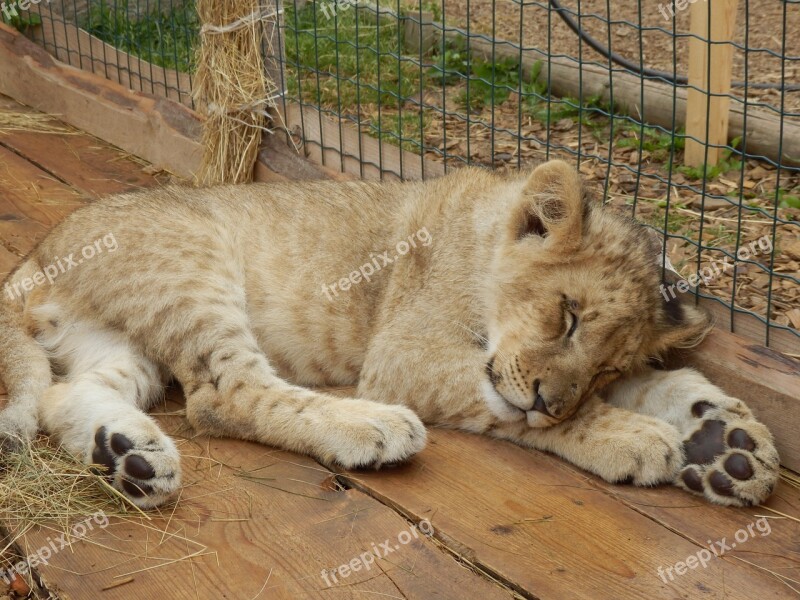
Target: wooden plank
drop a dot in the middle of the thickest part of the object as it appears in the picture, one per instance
(159, 130)
(529, 518)
(7, 262)
(84, 162)
(77, 48)
(769, 547)
(32, 202)
(767, 381)
(271, 536)
(341, 146)
(708, 101)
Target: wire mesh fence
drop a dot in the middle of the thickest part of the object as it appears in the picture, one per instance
(685, 115)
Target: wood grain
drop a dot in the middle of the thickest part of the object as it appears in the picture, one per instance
(710, 72)
(530, 519)
(271, 533)
(159, 130)
(767, 381)
(31, 204)
(84, 162)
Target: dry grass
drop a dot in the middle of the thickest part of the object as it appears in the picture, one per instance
(44, 485)
(231, 89)
(26, 121)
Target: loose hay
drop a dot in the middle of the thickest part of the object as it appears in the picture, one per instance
(40, 123)
(231, 88)
(43, 485)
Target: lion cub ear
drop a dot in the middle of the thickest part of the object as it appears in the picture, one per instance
(551, 206)
(680, 324)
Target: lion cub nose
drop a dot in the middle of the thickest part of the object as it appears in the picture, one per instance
(540, 406)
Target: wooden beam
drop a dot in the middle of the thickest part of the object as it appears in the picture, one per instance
(147, 126)
(767, 381)
(710, 67)
(647, 100)
(76, 47)
(531, 519)
(156, 129)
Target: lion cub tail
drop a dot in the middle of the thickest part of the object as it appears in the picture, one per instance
(24, 365)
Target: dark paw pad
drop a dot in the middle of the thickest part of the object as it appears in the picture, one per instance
(738, 438)
(137, 490)
(721, 484)
(737, 465)
(120, 444)
(101, 454)
(692, 480)
(138, 467)
(706, 444)
(700, 408)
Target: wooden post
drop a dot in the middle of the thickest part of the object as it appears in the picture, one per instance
(701, 112)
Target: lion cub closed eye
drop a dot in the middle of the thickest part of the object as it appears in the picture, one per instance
(494, 304)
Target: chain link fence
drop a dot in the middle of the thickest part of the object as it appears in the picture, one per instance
(685, 115)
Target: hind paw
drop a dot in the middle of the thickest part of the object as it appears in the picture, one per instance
(144, 465)
(730, 457)
(17, 428)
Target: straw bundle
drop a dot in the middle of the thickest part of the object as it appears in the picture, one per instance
(232, 88)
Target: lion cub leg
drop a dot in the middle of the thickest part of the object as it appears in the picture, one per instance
(232, 391)
(97, 410)
(618, 445)
(730, 456)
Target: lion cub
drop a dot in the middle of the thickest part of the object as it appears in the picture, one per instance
(496, 304)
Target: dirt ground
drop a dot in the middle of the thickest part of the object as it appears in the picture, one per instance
(762, 26)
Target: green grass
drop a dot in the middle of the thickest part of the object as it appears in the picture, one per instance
(357, 49)
(658, 143)
(20, 21)
(166, 38)
(401, 130)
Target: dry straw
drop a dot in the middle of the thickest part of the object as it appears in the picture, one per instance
(231, 87)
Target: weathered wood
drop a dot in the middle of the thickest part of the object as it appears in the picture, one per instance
(710, 68)
(531, 519)
(7, 263)
(354, 152)
(767, 381)
(80, 160)
(156, 129)
(264, 522)
(32, 202)
(76, 47)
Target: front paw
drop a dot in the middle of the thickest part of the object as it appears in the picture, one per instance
(730, 457)
(647, 453)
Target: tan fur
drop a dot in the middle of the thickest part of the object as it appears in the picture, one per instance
(224, 290)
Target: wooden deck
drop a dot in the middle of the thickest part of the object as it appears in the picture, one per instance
(253, 522)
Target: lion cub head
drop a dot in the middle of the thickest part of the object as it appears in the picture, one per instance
(575, 301)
